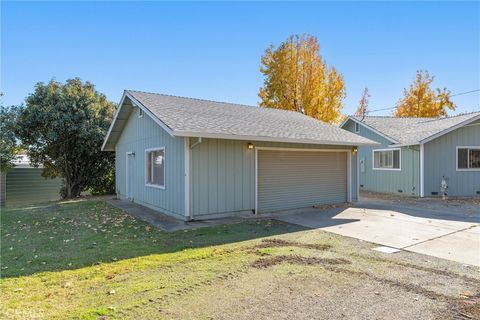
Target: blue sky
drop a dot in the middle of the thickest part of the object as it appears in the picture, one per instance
(213, 50)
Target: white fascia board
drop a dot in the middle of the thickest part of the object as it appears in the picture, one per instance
(444, 132)
(151, 115)
(113, 121)
(369, 128)
(267, 139)
(141, 106)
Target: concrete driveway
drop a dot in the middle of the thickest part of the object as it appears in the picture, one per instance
(449, 230)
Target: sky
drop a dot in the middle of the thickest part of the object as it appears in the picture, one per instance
(212, 50)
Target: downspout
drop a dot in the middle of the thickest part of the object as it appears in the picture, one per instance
(199, 140)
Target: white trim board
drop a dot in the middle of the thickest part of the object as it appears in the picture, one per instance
(135, 102)
(188, 213)
(148, 150)
(388, 149)
(468, 158)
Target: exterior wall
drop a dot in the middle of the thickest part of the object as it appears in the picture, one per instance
(222, 175)
(27, 186)
(140, 134)
(440, 160)
(384, 181)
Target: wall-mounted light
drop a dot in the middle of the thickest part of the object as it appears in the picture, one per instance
(355, 150)
(250, 145)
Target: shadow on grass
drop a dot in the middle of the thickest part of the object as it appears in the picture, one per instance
(62, 236)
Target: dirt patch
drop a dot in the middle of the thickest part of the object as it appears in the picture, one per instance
(272, 243)
(467, 309)
(296, 259)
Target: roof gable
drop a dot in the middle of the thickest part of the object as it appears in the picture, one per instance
(411, 131)
(187, 117)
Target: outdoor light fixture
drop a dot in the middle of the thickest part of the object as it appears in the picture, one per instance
(250, 145)
(355, 149)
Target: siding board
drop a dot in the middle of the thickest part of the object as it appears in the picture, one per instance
(440, 160)
(384, 181)
(140, 134)
(231, 182)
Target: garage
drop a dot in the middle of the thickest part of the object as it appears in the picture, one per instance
(291, 179)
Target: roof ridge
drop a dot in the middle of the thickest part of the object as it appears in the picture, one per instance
(190, 98)
(454, 116)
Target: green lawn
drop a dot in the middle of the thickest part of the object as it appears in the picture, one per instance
(88, 260)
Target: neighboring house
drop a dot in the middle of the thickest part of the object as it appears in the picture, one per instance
(194, 159)
(417, 153)
(24, 184)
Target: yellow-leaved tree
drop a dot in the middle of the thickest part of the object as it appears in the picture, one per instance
(298, 79)
(422, 101)
(362, 109)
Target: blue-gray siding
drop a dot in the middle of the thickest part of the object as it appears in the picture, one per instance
(440, 160)
(26, 186)
(140, 134)
(223, 175)
(403, 182)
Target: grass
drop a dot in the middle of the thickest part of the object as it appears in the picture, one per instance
(88, 260)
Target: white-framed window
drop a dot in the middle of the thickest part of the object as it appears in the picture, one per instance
(140, 112)
(357, 127)
(468, 158)
(155, 167)
(387, 159)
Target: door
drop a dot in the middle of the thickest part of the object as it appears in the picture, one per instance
(130, 174)
(298, 179)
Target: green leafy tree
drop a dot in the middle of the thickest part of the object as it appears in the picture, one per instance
(62, 127)
(8, 140)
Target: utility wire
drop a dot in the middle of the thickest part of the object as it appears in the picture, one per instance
(453, 95)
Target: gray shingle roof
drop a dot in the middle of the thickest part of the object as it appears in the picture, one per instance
(411, 131)
(204, 118)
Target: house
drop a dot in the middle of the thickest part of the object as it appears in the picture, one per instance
(415, 154)
(197, 159)
(24, 184)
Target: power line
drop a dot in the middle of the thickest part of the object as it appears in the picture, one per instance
(466, 92)
(453, 95)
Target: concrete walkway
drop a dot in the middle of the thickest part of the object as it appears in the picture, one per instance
(429, 228)
(165, 222)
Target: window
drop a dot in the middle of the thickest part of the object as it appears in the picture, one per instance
(468, 158)
(386, 159)
(155, 167)
(357, 127)
(140, 113)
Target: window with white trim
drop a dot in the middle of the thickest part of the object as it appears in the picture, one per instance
(155, 170)
(468, 158)
(357, 127)
(140, 113)
(386, 159)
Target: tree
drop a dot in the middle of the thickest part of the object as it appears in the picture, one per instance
(8, 140)
(297, 78)
(362, 109)
(422, 101)
(62, 128)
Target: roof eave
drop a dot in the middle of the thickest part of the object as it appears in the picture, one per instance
(194, 134)
(369, 128)
(141, 106)
(450, 129)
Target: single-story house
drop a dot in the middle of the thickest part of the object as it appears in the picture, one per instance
(196, 159)
(416, 154)
(24, 184)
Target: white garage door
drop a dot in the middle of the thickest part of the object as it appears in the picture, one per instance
(298, 179)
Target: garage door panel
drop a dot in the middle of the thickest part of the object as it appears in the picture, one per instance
(296, 179)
